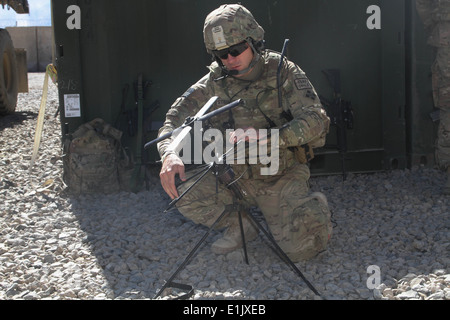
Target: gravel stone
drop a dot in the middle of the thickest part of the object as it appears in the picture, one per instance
(122, 246)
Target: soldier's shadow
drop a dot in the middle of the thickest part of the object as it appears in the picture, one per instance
(137, 245)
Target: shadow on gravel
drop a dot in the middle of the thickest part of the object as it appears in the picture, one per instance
(15, 119)
(396, 221)
(132, 239)
(138, 248)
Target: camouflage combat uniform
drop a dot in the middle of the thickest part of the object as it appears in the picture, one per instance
(435, 15)
(299, 221)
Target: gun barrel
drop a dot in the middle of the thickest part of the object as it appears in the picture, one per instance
(159, 139)
(219, 111)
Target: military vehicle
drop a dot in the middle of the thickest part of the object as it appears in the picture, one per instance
(10, 72)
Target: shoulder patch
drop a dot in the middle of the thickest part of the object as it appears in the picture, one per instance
(302, 83)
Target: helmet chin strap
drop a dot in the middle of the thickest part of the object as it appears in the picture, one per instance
(234, 73)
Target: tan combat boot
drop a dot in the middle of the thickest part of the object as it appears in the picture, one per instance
(322, 198)
(232, 238)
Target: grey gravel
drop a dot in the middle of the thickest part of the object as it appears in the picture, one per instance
(121, 246)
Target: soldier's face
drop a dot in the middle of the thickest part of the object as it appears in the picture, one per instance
(239, 63)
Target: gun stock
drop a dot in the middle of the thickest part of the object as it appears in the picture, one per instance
(340, 113)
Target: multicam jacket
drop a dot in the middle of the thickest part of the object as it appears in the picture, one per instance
(301, 120)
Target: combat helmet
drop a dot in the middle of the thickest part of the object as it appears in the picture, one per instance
(231, 24)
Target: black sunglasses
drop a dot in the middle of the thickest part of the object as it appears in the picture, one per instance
(234, 51)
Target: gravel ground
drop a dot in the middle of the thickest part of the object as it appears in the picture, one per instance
(391, 237)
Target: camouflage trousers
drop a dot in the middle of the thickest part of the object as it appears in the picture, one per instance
(300, 224)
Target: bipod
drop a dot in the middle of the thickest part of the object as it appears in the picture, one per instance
(237, 198)
(282, 255)
(170, 283)
(190, 290)
(275, 247)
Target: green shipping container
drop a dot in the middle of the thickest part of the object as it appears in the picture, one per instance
(382, 56)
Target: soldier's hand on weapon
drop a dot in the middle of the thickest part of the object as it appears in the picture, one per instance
(171, 166)
(249, 134)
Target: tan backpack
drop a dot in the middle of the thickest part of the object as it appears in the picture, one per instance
(92, 159)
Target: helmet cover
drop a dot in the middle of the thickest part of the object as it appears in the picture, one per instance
(228, 25)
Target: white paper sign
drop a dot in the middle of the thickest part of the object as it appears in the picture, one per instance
(72, 105)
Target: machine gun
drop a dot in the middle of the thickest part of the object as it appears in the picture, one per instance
(341, 115)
